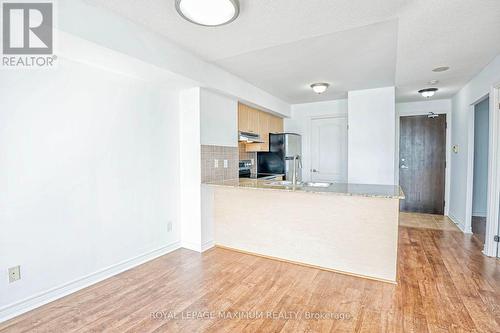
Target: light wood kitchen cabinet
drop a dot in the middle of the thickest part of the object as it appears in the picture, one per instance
(243, 118)
(264, 125)
(256, 121)
(264, 121)
(276, 125)
(248, 119)
(253, 120)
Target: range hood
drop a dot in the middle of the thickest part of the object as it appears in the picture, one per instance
(249, 137)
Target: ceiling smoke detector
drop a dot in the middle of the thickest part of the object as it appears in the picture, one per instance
(428, 92)
(441, 69)
(320, 88)
(208, 13)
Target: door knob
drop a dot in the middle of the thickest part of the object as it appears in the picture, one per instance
(314, 170)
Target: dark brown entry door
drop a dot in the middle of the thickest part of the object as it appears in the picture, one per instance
(422, 163)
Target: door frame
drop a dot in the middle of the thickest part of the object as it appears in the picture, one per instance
(493, 209)
(447, 178)
(330, 116)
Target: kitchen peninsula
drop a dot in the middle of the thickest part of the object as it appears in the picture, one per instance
(348, 228)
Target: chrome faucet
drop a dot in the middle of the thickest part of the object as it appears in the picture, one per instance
(297, 164)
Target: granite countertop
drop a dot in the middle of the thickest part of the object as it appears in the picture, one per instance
(362, 190)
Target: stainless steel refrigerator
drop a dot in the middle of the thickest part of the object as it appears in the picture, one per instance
(285, 154)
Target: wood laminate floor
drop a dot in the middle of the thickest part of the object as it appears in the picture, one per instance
(426, 221)
(445, 284)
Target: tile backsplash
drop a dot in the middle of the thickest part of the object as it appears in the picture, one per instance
(212, 155)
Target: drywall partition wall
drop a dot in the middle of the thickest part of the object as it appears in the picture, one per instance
(439, 106)
(207, 219)
(481, 145)
(372, 136)
(190, 174)
(89, 172)
(219, 119)
(300, 123)
(206, 118)
(472, 92)
(120, 34)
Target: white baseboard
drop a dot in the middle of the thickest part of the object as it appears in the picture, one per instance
(208, 245)
(18, 308)
(459, 224)
(191, 246)
(197, 247)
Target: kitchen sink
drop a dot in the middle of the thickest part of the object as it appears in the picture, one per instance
(289, 183)
(317, 184)
(281, 183)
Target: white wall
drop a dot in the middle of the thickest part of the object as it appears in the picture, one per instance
(219, 119)
(90, 154)
(207, 217)
(440, 106)
(300, 123)
(190, 173)
(481, 145)
(219, 127)
(372, 136)
(89, 172)
(211, 119)
(476, 89)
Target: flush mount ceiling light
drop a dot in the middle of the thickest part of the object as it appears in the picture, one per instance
(441, 69)
(209, 13)
(320, 88)
(429, 92)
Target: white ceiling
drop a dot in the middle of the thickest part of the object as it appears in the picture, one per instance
(282, 46)
(358, 58)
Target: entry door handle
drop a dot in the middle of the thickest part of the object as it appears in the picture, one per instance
(314, 170)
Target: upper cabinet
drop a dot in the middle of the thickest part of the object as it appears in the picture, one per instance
(264, 126)
(258, 122)
(276, 125)
(248, 119)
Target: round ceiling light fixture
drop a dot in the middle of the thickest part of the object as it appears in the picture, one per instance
(208, 13)
(428, 92)
(441, 69)
(320, 88)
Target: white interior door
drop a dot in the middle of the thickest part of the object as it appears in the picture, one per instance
(329, 149)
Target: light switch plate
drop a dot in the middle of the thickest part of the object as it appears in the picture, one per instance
(216, 164)
(14, 274)
(225, 164)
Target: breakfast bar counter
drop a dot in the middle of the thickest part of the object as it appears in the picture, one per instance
(363, 190)
(347, 228)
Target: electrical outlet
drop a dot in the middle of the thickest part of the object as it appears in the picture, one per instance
(225, 164)
(216, 164)
(14, 274)
(169, 226)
